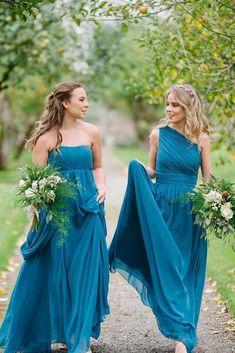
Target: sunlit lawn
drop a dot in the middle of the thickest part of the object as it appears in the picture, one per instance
(221, 259)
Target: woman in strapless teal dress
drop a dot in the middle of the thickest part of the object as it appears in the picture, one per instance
(157, 247)
(60, 296)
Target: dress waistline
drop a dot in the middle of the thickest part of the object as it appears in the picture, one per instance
(176, 178)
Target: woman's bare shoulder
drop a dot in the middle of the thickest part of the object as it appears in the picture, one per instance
(155, 131)
(47, 140)
(91, 129)
(204, 139)
(154, 135)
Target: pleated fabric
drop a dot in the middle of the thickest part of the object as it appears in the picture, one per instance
(61, 292)
(157, 247)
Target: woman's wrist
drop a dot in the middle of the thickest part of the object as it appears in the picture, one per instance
(101, 192)
(101, 186)
(151, 172)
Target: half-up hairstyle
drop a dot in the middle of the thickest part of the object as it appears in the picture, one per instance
(53, 114)
(188, 98)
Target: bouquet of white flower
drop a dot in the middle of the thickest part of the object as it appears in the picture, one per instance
(43, 188)
(214, 208)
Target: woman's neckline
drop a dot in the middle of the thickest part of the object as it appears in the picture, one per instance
(75, 146)
(181, 134)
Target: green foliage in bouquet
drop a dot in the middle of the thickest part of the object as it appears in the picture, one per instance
(42, 188)
(214, 207)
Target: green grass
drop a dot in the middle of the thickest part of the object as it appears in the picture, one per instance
(12, 225)
(12, 220)
(221, 258)
(10, 176)
(126, 154)
(221, 268)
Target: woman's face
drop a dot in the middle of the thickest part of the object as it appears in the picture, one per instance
(175, 113)
(78, 103)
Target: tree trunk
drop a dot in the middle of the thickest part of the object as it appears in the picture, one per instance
(2, 155)
(6, 128)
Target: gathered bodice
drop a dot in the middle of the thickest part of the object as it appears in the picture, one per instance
(178, 159)
(72, 158)
(75, 164)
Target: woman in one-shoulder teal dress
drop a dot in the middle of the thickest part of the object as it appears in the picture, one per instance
(61, 292)
(157, 247)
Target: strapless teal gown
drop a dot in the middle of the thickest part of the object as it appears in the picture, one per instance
(61, 292)
(157, 247)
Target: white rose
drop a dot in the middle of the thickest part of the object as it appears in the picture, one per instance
(226, 211)
(29, 193)
(22, 183)
(213, 196)
(58, 179)
(42, 183)
(55, 179)
(34, 185)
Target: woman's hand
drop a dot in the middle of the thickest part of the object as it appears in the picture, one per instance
(101, 194)
(151, 172)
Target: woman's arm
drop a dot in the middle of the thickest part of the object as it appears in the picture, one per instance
(151, 167)
(206, 160)
(40, 150)
(99, 174)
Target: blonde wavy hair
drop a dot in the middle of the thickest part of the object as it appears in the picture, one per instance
(53, 114)
(188, 98)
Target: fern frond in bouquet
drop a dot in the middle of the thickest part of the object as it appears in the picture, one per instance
(42, 187)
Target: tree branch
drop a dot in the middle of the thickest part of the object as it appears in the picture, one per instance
(227, 68)
(9, 2)
(184, 50)
(121, 18)
(224, 5)
(224, 89)
(203, 24)
(6, 75)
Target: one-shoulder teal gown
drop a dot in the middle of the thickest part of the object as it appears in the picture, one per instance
(157, 247)
(61, 292)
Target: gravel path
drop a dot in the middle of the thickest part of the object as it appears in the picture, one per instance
(131, 327)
